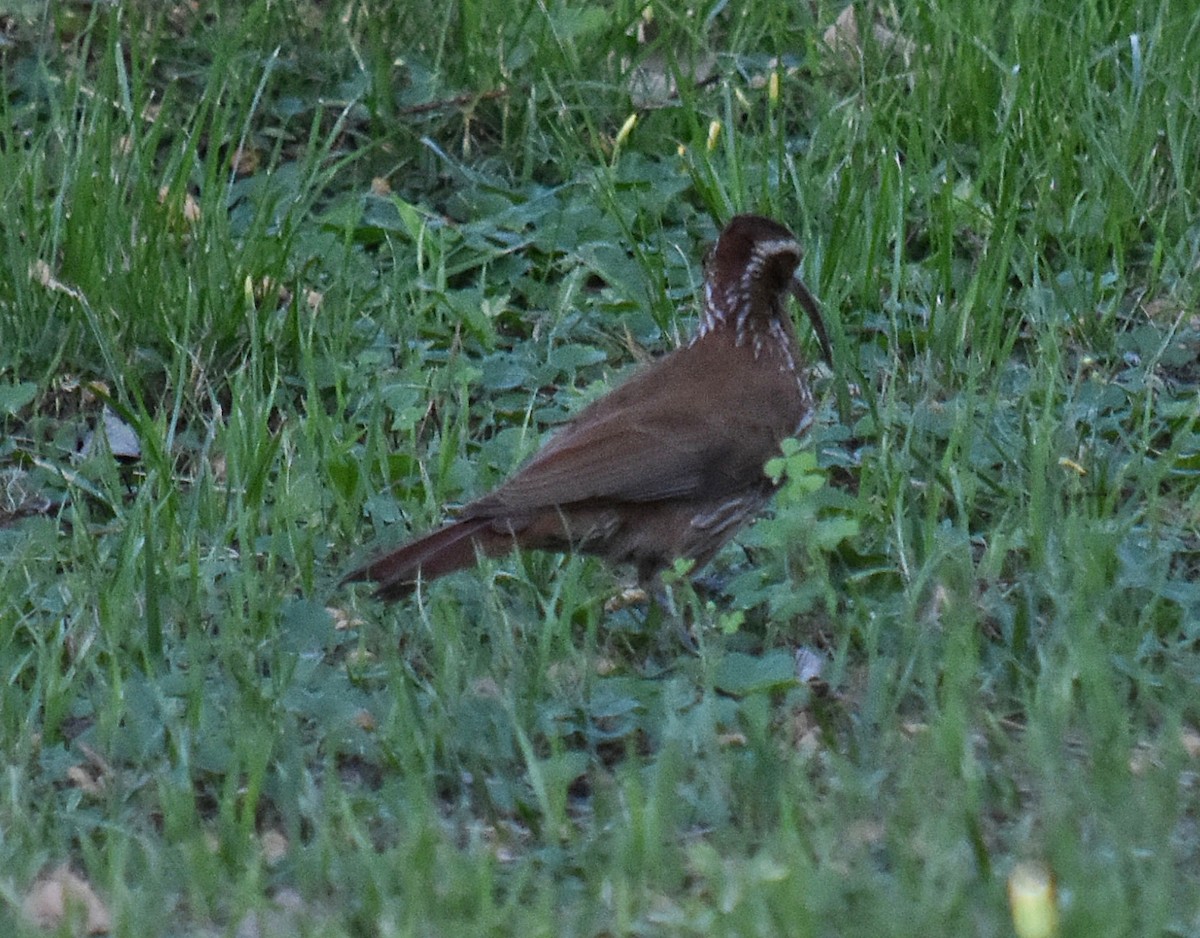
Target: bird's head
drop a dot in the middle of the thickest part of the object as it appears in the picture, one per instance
(749, 271)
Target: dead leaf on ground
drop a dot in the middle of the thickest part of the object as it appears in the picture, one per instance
(183, 210)
(810, 664)
(62, 896)
(246, 161)
(844, 39)
(20, 496)
(274, 846)
(343, 619)
(652, 82)
(285, 914)
(84, 780)
(93, 775)
(116, 435)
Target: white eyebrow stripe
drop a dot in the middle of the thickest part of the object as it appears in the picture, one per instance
(777, 244)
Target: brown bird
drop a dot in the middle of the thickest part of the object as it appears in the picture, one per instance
(669, 464)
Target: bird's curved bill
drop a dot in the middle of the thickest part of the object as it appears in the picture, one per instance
(813, 309)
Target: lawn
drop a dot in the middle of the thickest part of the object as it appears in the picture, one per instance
(282, 282)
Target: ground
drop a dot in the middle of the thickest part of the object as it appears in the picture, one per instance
(281, 281)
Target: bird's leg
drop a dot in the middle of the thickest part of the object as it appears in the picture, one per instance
(664, 611)
(676, 601)
(710, 585)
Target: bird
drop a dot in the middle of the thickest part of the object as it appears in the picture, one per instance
(669, 464)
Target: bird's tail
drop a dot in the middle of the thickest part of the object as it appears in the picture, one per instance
(449, 548)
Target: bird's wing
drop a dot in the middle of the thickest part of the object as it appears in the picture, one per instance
(615, 459)
(645, 441)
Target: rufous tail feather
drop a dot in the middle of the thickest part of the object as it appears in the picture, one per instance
(449, 548)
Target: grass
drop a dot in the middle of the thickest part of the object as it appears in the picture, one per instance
(336, 268)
